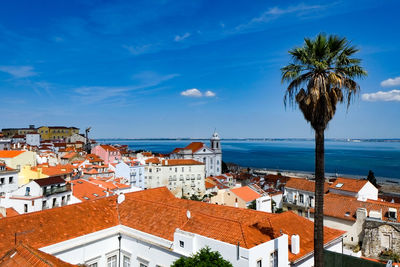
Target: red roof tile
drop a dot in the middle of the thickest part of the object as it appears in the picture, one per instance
(345, 207)
(246, 193)
(303, 184)
(158, 212)
(175, 162)
(194, 146)
(10, 153)
(84, 190)
(24, 255)
(348, 184)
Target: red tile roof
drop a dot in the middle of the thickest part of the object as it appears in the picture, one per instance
(24, 255)
(246, 193)
(209, 185)
(49, 181)
(9, 213)
(109, 185)
(153, 161)
(109, 148)
(348, 184)
(69, 155)
(57, 170)
(84, 190)
(303, 184)
(345, 207)
(195, 146)
(158, 212)
(175, 162)
(10, 153)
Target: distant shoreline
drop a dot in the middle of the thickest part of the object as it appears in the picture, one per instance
(350, 140)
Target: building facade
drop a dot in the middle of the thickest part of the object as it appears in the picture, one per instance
(56, 132)
(210, 156)
(38, 195)
(8, 179)
(183, 177)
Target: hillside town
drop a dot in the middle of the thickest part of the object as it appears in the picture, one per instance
(69, 200)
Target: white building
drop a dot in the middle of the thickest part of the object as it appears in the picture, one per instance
(360, 189)
(8, 179)
(133, 171)
(183, 177)
(39, 194)
(32, 139)
(152, 228)
(210, 156)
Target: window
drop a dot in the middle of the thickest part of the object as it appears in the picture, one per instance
(1, 180)
(54, 202)
(10, 179)
(126, 262)
(259, 263)
(112, 261)
(25, 207)
(93, 265)
(183, 169)
(273, 259)
(301, 198)
(181, 244)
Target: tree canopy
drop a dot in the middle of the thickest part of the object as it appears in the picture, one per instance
(322, 74)
(204, 258)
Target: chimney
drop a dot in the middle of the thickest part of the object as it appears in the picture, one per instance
(295, 244)
(3, 211)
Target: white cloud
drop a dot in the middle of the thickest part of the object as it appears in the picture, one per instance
(209, 94)
(137, 50)
(18, 71)
(393, 95)
(179, 38)
(192, 93)
(276, 12)
(391, 82)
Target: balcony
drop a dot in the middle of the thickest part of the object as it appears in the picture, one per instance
(56, 190)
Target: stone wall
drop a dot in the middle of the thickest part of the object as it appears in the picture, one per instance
(379, 236)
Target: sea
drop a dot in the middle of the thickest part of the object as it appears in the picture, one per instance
(341, 157)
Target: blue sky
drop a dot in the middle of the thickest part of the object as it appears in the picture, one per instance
(160, 68)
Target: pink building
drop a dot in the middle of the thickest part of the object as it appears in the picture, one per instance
(107, 153)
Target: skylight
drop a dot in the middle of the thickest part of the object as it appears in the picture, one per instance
(86, 198)
(339, 185)
(96, 195)
(347, 213)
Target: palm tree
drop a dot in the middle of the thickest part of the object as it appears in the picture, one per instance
(321, 75)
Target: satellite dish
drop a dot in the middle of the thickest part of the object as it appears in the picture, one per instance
(188, 215)
(120, 198)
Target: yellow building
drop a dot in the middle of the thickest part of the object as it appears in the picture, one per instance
(29, 173)
(56, 132)
(10, 132)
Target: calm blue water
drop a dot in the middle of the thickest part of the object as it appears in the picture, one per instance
(342, 157)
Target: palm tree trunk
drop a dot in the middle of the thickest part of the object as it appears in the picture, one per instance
(319, 198)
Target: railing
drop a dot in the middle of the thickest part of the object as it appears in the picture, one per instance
(56, 190)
